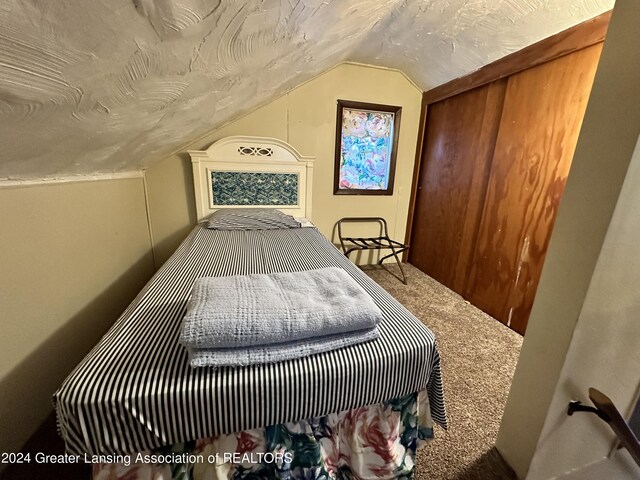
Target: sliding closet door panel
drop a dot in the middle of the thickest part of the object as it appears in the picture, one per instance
(542, 115)
(459, 141)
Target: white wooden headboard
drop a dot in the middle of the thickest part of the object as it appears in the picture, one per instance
(250, 172)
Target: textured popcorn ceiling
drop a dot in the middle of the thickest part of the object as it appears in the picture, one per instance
(94, 86)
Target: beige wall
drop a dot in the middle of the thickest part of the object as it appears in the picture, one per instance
(305, 117)
(583, 313)
(72, 256)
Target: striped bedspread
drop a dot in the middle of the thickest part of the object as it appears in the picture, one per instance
(135, 390)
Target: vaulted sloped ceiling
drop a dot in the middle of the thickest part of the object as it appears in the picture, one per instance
(95, 86)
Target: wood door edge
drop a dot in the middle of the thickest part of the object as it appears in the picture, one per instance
(414, 182)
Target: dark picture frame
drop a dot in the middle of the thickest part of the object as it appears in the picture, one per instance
(352, 176)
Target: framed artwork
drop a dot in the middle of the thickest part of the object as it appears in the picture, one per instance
(366, 146)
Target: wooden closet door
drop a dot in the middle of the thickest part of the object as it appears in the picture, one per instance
(459, 141)
(543, 111)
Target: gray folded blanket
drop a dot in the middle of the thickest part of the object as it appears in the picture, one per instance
(279, 352)
(264, 309)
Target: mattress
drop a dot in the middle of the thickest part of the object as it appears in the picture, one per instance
(135, 390)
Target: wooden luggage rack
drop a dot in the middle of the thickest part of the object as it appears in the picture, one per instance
(382, 242)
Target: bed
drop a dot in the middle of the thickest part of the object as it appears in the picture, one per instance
(355, 412)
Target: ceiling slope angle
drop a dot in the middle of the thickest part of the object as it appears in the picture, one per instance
(88, 86)
(436, 41)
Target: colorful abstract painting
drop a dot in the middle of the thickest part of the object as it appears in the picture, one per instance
(366, 150)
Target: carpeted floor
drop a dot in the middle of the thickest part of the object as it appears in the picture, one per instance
(479, 356)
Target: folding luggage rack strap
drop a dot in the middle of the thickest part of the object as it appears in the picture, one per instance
(382, 242)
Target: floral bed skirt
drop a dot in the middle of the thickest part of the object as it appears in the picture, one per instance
(373, 442)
